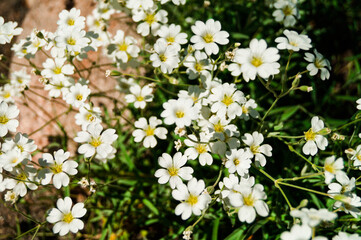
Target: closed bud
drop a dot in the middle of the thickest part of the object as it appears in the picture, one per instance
(237, 44)
(324, 131)
(190, 49)
(114, 73)
(306, 88)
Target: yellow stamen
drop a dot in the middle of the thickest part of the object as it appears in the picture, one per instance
(256, 61)
(71, 41)
(179, 114)
(218, 127)
(162, 58)
(248, 200)
(57, 168)
(4, 119)
(95, 142)
(330, 168)
(170, 39)
(123, 46)
(254, 149)
(201, 148)
(236, 161)
(68, 218)
(227, 100)
(149, 131)
(140, 98)
(79, 97)
(57, 70)
(70, 22)
(198, 67)
(208, 38)
(173, 171)
(310, 135)
(150, 18)
(192, 199)
(287, 10)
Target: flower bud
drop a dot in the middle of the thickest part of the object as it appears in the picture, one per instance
(306, 88)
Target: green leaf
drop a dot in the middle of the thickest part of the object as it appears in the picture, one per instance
(235, 235)
(151, 206)
(239, 36)
(215, 229)
(288, 113)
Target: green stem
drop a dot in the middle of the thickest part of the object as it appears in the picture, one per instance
(305, 189)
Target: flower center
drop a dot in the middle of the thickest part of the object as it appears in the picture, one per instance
(201, 148)
(79, 97)
(15, 160)
(90, 117)
(287, 10)
(358, 157)
(218, 127)
(244, 109)
(21, 177)
(310, 135)
(150, 18)
(179, 114)
(149, 131)
(256, 61)
(227, 100)
(70, 22)
(198, 67)
(7, 95)
(95, 142)
(123, 46)
(162, 58)
(208, 38)
(248, 200)
(254, 149)
(173, 171)
(319, 63)
(293, 43)
(170, 39)
(57, 70)
(57, 168)
(236, 161)
(192, 199)
(71, 41)
(329, 168)
(68, 218)
(140, 98)
(20, 147)
(4, 119)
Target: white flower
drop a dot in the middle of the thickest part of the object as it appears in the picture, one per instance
(181, 112)
(95, 141)
(172, 35)
(66, 217)
(228, 185)
(248, 109)
(286, 12)
(77, 95)
(346, 236)
(56, 68)
(345, 187)
(198, 66)
(8, 113)
(349, 204)
(173, 169)
(318, 62)
(194, 198)
(11, 158)
(249, 200)
(68, 20)
(58, 168)
(73, 40)
(227, 100)
(125, 47)
(139, 96)
(165, 56)
(149, 131)
(151, 20)
(313, 217)
(23, 179)
(11, 197)
(208, 35)
(199, 148)
(8, 30)
(256, 149)
(258, 60)
(314, 137)
(333, 168)
(36, 43)
(238, 160)
(139, 4)
(87, 115)
(56, 86)
(298, 232)
(293, 41)
(20, 78)
(21, 142)
(9, 92)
